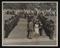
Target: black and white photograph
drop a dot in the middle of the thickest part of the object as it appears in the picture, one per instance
(29, 23)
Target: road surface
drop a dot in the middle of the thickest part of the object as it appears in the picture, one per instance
(19, 33)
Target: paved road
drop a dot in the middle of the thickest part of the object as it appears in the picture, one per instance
(20, 30)
(42, 40)
(46, 41)
(18, 36)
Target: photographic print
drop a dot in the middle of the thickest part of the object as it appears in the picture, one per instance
(29, 23)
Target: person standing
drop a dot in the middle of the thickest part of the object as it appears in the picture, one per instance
(37, 28)
(40, 28)
(29, 27)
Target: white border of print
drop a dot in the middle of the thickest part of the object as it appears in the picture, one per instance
(31, 2)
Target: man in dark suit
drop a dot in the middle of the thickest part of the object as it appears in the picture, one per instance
(40, 28)
(29, 26)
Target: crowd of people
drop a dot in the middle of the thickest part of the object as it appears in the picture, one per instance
(36, 23)
(9, 24)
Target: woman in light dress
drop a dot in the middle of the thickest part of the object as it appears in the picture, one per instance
(37, 28)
